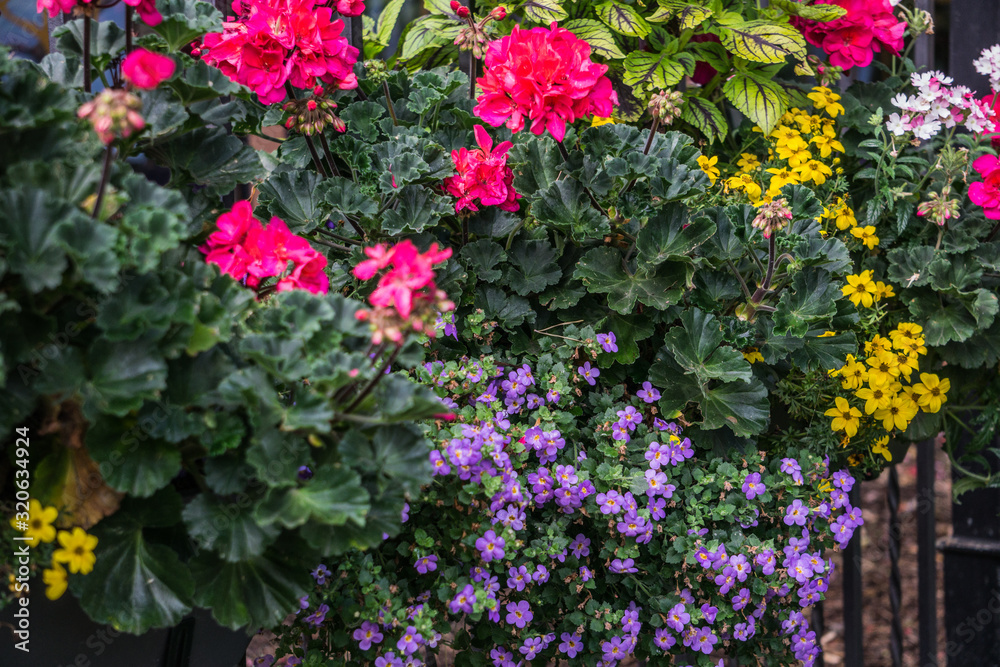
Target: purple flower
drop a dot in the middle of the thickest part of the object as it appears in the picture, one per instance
(630, 622)
(320, 574)
(585, 573)
(664, 640)
(580, 546)
(792, 467)
(541, 574)
(463, 601)
(608, 341)
(426, 564)
(629, 418)
(439, 463)
(552, 396)
(620, 566)
(367, 635)
(704, 557)
(263, 661)
(853, 515)
(753, 487)
(519, 614)
(305, 473)
(531, 647)
(570, 644)
(293, 661)
(589, 373)
(704, 641)
(796, 514)
(518, 578)
(843, 480)
(741, 599)
(303, 602)
(842, 530)
(648, 393)
(709, 612)
(410, 641)
(388, 660)
(740, 566)
(613, 650)
(725, 580)
(491, 546)
(766, 560)
(656, 509)
(678, 617)
(316, 618)
(610, 502)
(744, 631)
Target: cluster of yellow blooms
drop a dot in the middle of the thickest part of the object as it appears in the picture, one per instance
(865, 292)
(842, 216)
(800, 146)
(76, 547)
(881, 381)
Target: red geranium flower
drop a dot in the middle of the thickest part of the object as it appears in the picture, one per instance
(544, 76)
(866, 28)
(145, 69)
(483, 174)
(986, 193)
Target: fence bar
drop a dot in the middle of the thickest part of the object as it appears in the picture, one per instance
(853, 627)
(895, 587)
(817, 627)
(926, 567)
(923, 47)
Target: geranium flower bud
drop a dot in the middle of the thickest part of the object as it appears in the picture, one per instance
(311, 105)
(499, 13)
(455, 5)
(113, 113)
(463, 12)
(772, 217)
(318, 91)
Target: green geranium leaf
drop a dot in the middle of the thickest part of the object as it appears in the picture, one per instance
(811, 298)
(597, 35)
(955, 273)
(741, 406)
(566, 207)
(669, 235)
(759, 99)
(705, 116)
(333, 496)
(259, 592)
(294, 197)
(227, 528)
(483, 255)
(908, 267)
(418, 209)
(534, 267)
(277, 456)
(122, 375)
(942, 320)
(29, 230)
(344, 197)
(622, 19)
(763, 41)
(401, 454)
(211, 158)
(509, 310)
(130, 461)
(601, 271)
(185, 21)
(136, 585)
(91, 245)
(162, 112)
(535, 164)
(696, 345)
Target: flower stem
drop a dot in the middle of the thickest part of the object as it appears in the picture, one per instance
(388, 103)
(652, 133)
(329, 156)
(993, 232)
(315, 156)
(330, 244)
(86, 53)
(105, 176)
(374, 381)
(128, 29)
(345, 239)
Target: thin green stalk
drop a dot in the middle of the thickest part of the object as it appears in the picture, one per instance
(105, 177)
(375, 380)
(388, 103)
(329, 156)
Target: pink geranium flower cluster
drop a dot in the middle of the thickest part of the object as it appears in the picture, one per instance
(544, 75)
(483, 174)
(145, 8)
(938, 104)
(850, 41)
(274, 42)
(250, 252)
(406, 296)
(986, 193)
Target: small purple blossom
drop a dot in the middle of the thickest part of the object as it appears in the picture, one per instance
(320, 574)
(426, 564)
(570, 644)
(796, 513)
(316, 618)
(410, 641)
(648, 393)
(608, 341)
(589, 373)
(367, 635)
(491, 546)
(753, 486)
(519, 613)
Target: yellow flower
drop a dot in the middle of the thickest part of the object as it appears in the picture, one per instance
(906, 362)
(845, 417)
(77, 550)
(845, 218)
(745, 183)
(55, 581)
(884, 366)
(878, 343)
(883, 291)
(707, 165)
(748, 162)
(860, 289)
(853, 373)
(789, 138)
(931, 392)
(866, 235)
(753, 355)
(40, 526)
(876, 396)
(597, 121)
(825, 99)
(781, 178)
(827, 145)
(879, 447)
(795, 158)
(907, 329)
(814, 171)
(898, 414)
